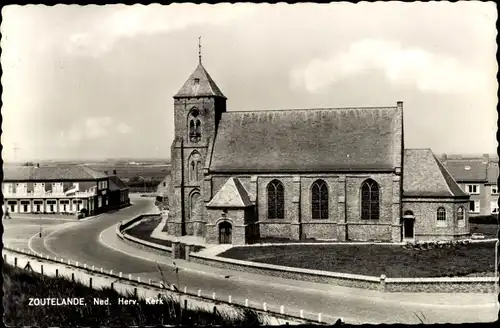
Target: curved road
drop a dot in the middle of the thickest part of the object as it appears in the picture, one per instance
(81, 241)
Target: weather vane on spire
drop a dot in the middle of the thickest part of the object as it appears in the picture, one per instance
(199, 48)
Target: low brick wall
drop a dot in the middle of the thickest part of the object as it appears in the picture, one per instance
(339, 279)
(442, 285)
(430, 285)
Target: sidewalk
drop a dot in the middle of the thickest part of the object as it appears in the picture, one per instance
(123, 287)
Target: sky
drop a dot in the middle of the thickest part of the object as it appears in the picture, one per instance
(96, 82)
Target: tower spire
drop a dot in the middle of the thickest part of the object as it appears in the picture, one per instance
(199, 49)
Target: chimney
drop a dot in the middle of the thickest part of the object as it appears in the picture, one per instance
(486, 158)
(114, 172)
(106, 172)
(37, 164)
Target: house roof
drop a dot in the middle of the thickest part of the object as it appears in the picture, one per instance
(232, 194)
(162, 190)
(199, 84)
(304, 140)
(493, 172)
(59, 172)
(425, 176)
(467, 170)
(115, 183)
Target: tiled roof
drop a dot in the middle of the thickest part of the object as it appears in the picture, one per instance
(425, 176)
(117, 183)
(232, 194)
(467, 170)
(306, 140)
(199, 84)
(493, 172)
(59, 172)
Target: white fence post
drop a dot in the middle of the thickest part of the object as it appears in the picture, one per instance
(150, 281)
(85, 265)
(319, 317)
(129, 276)
(69, 262)
(138, 279)
(102, 270)
(110, 272)
(76, 263)
(185, 290)
(282, 309)
(199, 292)
(302, 314)
(121, 274)
(230, 299)
(264, 306)
(93, 267)
(246, 302)
(213, 295)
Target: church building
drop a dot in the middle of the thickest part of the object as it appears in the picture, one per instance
(322, 173)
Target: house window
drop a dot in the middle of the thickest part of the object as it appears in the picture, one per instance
(370, 207)
(319, 200)
(441, 216)
(275, 200)
(494, 190)
(472, 189)
(494, 207)
(474, 206)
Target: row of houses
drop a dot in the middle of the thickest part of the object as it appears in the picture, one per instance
(478, 177)
(61, 189)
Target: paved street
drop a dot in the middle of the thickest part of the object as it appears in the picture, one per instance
(94, 242)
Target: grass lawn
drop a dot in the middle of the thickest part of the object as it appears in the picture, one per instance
(488, 230)
(373, 260)
(20, 285)
(144, 229)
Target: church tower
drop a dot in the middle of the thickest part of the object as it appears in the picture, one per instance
(198, 107)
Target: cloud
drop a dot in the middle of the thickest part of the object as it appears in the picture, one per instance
(401, 66)
(131, 21)
(124, 128)
(95, 128)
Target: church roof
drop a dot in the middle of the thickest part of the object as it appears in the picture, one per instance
(232, 194)
(425, 176)
(199, 84)
(306, 140)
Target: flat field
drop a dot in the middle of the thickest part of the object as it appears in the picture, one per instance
(374, 260)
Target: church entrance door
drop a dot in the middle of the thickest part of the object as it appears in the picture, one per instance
(225, 233)
(408, 225)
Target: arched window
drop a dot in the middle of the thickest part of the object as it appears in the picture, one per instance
(370, 207)
(275, 200)
(194, 125)
(194, 166)
(460, 214)
(441, 214)
(319, 200)
(195, 206)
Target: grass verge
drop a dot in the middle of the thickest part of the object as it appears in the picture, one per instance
(20, 285)
(144, 229)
